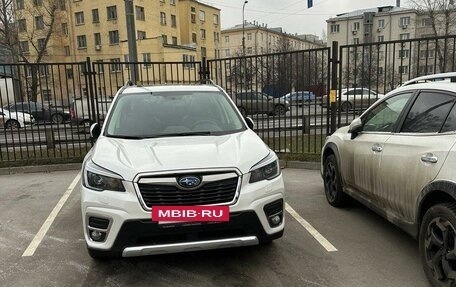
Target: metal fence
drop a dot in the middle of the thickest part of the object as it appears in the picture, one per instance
(368, 71)
(281, 93)
(284, 93)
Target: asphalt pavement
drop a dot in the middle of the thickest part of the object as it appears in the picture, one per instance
(367, 250)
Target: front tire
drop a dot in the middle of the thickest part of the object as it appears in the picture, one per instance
(57, 119)
(12, 124)
(100, 255)
(332, 182)
(279, 110)
(346, 106)
(437, 244)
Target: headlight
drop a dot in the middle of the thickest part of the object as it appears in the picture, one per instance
(268, 168)
(99, 179)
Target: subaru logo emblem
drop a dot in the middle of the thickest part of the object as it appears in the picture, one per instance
(189, 181)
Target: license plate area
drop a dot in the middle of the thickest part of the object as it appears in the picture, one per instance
(193, 213)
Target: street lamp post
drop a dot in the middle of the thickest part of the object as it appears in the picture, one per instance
(243, 45)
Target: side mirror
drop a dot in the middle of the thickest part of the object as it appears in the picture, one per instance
(95, 130)
(250, 123)
(355, 127)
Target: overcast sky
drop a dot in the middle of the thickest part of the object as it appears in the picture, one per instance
(292, 15)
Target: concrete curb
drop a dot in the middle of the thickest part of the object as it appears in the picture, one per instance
(77, 166)
(40, 168)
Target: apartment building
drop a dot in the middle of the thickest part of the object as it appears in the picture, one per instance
(259, 39)
(391, 62)
(166, 31)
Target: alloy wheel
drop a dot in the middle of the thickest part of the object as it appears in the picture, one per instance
(440, 250)
(331, 180)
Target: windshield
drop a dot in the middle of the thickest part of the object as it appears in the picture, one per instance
(160, 114)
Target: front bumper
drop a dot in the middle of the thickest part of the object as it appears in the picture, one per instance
(131, 231)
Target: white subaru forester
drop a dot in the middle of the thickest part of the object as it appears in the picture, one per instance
(187, 152)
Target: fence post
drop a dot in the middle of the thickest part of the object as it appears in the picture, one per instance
(204, 72)
(334, 63)
(50, 138)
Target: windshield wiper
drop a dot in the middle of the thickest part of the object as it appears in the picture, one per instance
(125, 137)
(185, 134)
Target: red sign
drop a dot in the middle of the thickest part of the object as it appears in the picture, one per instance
(194, 213)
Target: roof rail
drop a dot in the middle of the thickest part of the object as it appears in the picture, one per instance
(129, 83)
(432, 78)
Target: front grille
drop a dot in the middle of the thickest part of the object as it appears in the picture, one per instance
(215, 192)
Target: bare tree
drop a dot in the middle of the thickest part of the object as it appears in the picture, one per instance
(442, 18)
(27, 31)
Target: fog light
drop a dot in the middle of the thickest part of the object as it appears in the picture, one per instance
(97, 235)
(275, 220)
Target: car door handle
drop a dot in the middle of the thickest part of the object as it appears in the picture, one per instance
(429, 157)
(377, 148)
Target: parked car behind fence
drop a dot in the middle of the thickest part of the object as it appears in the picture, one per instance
(41, 113)
(259, 103)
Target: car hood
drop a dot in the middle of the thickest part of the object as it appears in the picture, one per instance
(129, 157)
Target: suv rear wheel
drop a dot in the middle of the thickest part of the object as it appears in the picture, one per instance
(332, 181)
(279, 110)
(437, 244)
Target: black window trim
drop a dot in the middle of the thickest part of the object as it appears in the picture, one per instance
(403, 116)
(400, 119)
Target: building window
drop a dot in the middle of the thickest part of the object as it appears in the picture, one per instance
(380, 70)
(227, 39)
(172, 2)
(79, 18)
(62, 5)
(22, 25)
(174, 40)
(46, 95)
(335, 28)
(381, 23)
(97, 38)
(426, 22)
(203, 52)
(82, 41)
(194, 38)
(405, 36)
(65, 29)
(202, 15)
(193, 18)
(403, 54)
(380, 39)
(403, 69)
(429, 53)
(203, 33)
(356, 26)
(173, 21)
(355, 41)
(165, 39)
(115, 65)
(69, 73)
(162, 18)
(147, 59)
(216, 19)
(38, 2)
(24, 46)
(249, 50)
(114, 37)
(189, 61)
(404, 22)
(112, 12)
(95, 16)
(140, 15)
(193, 9)
(67, 50)
(39, 22)
(141, 35)
(216, 37)
(426, 70)
(19, 4)
(249, 36)
(227, 52)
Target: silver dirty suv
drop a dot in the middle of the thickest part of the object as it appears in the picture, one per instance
(399, 159)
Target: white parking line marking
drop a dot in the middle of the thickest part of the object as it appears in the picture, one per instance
(323, 241)
(47, 224)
